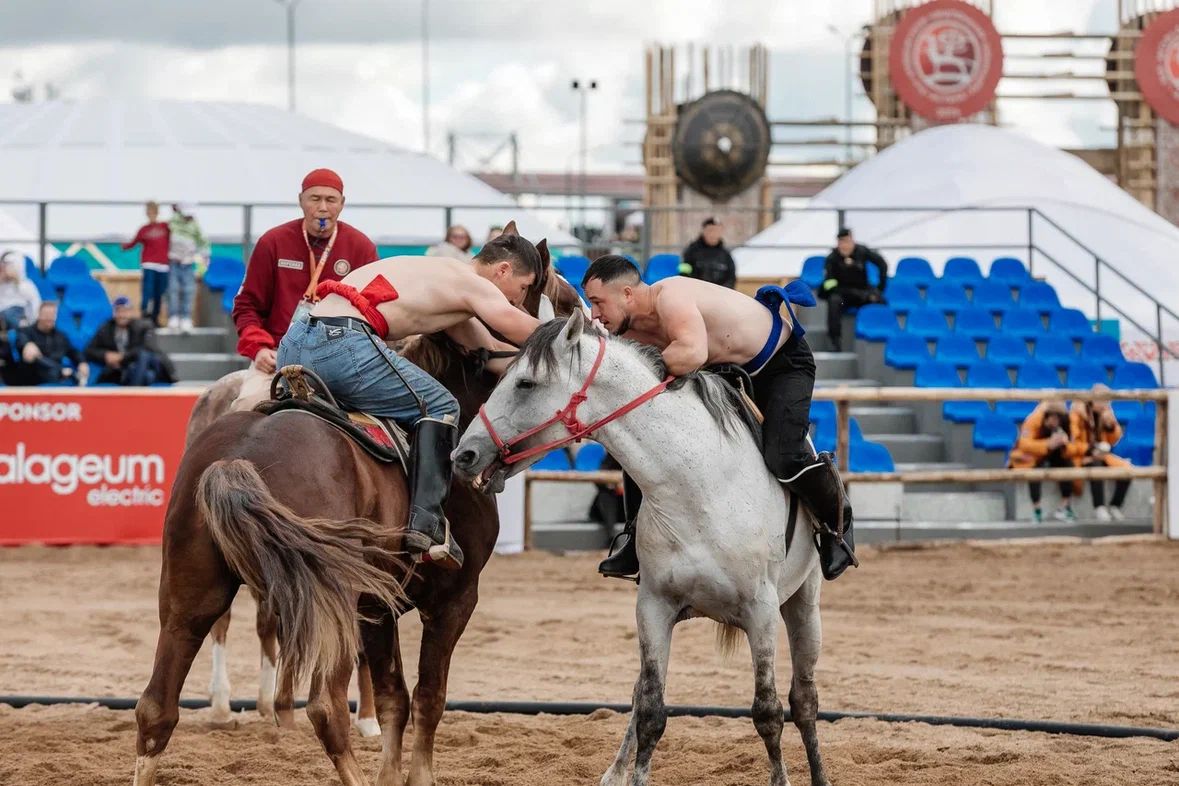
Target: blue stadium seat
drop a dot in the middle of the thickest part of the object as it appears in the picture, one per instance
(227, 300)
(963, 270)
(976, 323)
(1010, 271)
(876, 322)
(573, 268)
(868, 456)
(957, 349)
(66, 270)
(46, 289)
(994, 296)
(32, 270)
(224, 273)
(1070, 322)
(812, 270)
(822, 410)
(1032, 375)
(1040, 296)
(1023, 323)
(906, 351)
(915, 270)
(554, 460)
(873, 275)
(994, 432)
(1060, 351)
(85, 296)
(1008, 351)
(589, 458)
(936, 374)
(904, 296)
(1103, 349)
(1133, 376)
(982, 374)
(1084, 374)
(929, 323)
(79, 332)
(1137, 442)
(948, 296)
(661, 266)
(826, 434)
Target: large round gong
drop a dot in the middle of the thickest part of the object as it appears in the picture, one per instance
(721, 144)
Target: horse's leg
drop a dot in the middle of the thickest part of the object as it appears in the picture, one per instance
(656, 618)
(762, 631)
(189, 605)
(441, 628)
(383, 652)
(366, 710)
(266, 624)
(284, 697)
(219, 680)
(327, 707)
(805, 629)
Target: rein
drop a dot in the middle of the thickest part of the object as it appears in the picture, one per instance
(567, 416)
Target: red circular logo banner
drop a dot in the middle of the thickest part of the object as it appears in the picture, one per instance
(1156, 65)
(945, 59)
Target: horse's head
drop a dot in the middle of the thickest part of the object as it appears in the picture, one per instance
(552, 366)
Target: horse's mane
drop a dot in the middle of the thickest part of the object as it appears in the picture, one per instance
(431, 353)
(720, 399)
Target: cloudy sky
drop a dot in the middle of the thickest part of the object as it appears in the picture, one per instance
(495, 67)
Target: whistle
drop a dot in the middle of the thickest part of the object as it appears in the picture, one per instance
(322, 224)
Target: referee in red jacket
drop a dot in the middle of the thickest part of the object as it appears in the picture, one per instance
(287, 264)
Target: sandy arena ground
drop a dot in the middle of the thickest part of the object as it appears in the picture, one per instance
(1070, 632)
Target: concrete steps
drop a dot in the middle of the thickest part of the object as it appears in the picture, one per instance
(206, 365)
(876, 420)
(196, 340)
(839, 365)
(911, 448)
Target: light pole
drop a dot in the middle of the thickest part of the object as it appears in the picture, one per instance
(582, 87)
(290, 6)
(426, 76)
(848, 40)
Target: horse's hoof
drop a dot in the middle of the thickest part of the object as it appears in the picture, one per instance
(266, 711)
(367, 727)
(285, 719)
(221, 710)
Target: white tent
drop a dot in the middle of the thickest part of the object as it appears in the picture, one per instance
(135, 150)
(964, 190)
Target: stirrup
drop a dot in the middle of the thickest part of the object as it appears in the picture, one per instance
(439, 553)
(839, 541)
(610, 553)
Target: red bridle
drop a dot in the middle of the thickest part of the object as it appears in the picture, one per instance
(567, 416)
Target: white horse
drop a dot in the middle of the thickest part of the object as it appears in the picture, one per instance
(712, 526)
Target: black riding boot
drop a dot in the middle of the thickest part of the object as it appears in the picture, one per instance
(624, 563)
(428, 537)
(821, 490)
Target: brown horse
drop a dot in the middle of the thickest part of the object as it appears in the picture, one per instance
(286, 503)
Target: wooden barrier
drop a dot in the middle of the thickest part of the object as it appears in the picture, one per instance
(843, 396)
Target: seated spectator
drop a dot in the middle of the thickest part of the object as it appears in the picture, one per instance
(456, 246)
(1045, 441)
(19, 298)
(187, 248)
(126, 349)
(845, 281)
(707, 259)
(44, 350)
(1095, 431)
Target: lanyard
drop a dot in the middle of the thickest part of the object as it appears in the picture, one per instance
(317, 267)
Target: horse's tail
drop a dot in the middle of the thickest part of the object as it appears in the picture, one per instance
(309, 571)
(728, 637)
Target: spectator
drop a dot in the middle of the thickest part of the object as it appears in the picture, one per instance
(845, 281)
(19, 298)
(494, 231)
(707, 259)
(44, 351)
(1095, 431)
(187, 248)
(154, 237)
(126, 350)
(456, 246)
(1045, 441)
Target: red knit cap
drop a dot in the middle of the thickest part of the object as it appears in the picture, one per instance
(323, 177)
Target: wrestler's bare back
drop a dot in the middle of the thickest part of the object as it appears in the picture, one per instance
(737, 325)
(434, 294)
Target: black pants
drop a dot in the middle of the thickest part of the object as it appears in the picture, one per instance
(782, 391)
(845, 297)
(1097, 488)
(1054, 459)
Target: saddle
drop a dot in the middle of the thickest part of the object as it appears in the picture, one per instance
(742, 383)
(298, 389)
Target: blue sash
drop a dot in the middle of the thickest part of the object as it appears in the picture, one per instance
(772, 297)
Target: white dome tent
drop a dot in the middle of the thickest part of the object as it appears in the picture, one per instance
(982, 180)
(106, 150)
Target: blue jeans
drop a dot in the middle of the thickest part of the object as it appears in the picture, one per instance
(155, 284)
(181, 284)
(357, 372)
(13, 316)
